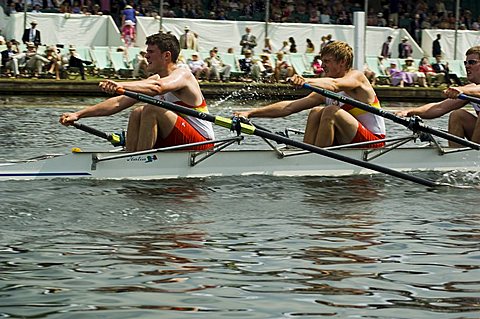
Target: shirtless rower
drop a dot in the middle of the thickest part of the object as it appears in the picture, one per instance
(335, 123)
(461, 122)
(151, 126)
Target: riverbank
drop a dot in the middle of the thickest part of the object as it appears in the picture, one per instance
(251, 90)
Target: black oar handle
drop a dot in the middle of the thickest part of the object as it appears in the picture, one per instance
(412, 125)
(470, 98)
(115, 139)
(91, 130)
(249, 129)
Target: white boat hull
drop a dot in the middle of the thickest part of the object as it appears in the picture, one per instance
(177, 164)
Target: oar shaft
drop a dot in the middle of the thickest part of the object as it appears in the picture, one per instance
(415, 125)
(357, 104)
(91, 130)
(470, 98)
(249, 129)
(343, 158)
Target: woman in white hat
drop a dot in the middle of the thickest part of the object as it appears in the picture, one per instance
(128, 33)
(412, 69)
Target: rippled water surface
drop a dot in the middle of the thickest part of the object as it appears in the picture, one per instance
(244, 247)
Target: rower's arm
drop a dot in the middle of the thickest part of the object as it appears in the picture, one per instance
(471, 90)
(151, 86)
(154, 85)
(285, 108)
(349, 82)
(108, 107)
(434, 110)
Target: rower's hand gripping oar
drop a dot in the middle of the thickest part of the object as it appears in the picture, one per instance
(470, 98)
(414, 124)
(114, 138)
(249, 129)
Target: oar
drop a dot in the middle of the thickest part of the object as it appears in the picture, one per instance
(115, 139)
(412, 124)
(249, 129)
(470, 98)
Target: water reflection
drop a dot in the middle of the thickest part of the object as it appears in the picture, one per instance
(250, 247)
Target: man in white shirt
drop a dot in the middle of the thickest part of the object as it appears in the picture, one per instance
(32, 34)
(248, 41)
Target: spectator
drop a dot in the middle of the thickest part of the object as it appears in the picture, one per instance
(36, 8)
(218, 70)
(317, 66)
(328, 39)
(397, 76)
(128, 33)
(284, 47)
(436, 47)
(310, 47)
(97, 11)
(249, 66)
(129, 13)
(283, 69)
(14, 7)
(411, 69)
(75, 61)
(140, 65)
(8, 58)
(188, 40)
(267, 68)
(323, 43)
(381, 21)
(314, 15)
(404, 49)
(442, 68)
(387, 48)
(33, 61)
(267, 48)
(246, 62)
(54, 64)
(416, 28)
(394, 8)
(293, 45)
(76, 7)
(248, 41)
(382, 68)
(32, 34)
(429, 72)
(198, 67)
(65, 7)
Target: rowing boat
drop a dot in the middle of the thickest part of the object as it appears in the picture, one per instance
(294, 158)
(228, 160)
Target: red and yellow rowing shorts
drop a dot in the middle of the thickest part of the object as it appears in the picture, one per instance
(183, 133)
(364, 135)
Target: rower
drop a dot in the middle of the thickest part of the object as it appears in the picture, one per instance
(336, 123)
(461, 123)
(151, 126)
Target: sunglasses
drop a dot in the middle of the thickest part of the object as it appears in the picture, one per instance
(470, 62)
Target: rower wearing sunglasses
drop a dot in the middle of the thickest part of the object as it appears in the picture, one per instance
(461, 122)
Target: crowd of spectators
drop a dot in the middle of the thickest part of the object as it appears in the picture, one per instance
(412, 15)
(409, 72)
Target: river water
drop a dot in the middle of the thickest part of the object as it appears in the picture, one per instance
(244, 247)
